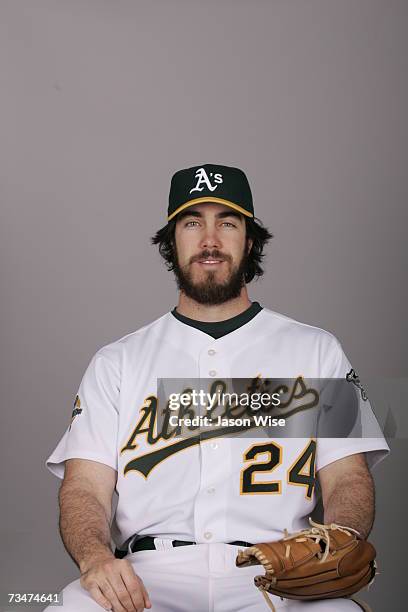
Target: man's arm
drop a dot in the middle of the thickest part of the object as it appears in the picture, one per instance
(85, 499)
(348, 493)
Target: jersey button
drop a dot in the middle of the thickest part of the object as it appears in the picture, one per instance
(212, 372)
(214, 445)
(211, 352)
(208, 535)
(211, 490)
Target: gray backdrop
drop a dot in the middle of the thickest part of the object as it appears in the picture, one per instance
(100, 102)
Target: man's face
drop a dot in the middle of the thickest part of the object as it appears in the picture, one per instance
(211, 250)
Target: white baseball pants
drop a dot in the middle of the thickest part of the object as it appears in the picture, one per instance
(198, 578)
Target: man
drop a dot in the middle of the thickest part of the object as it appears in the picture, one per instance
(187, 503)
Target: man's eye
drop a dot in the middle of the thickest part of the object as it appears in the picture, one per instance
(229, 223)
(191, 222)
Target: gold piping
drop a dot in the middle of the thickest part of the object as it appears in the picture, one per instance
(210, 199)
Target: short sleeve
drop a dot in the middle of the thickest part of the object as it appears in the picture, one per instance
(371, 439)
(93, 428)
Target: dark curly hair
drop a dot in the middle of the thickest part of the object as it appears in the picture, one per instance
(260, 235)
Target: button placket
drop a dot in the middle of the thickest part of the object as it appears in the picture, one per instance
(209, 512)
(210, 502)
(212, 353)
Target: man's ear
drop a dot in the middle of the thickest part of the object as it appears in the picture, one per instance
(250, 242)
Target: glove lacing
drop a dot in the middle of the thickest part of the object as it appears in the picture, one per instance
(317, 532)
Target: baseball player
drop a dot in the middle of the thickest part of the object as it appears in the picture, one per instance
(187, 504)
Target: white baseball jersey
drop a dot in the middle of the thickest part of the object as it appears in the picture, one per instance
(217, 490)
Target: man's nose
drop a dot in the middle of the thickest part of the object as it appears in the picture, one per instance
(210, 239)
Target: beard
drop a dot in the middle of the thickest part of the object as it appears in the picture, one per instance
(210, 291)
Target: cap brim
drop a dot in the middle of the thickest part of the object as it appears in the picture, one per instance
(232, 205)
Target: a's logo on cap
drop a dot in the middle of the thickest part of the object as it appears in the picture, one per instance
(202, 177)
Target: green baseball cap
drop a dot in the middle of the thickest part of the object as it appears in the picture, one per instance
(210, 183)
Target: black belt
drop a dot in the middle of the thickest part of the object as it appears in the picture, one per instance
(147, 543)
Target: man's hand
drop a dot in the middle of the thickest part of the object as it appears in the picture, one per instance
(113, 584)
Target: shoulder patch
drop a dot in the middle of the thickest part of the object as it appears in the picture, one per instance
(353, 377)
(77, 410)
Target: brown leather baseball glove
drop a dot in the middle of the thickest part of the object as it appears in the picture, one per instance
(321, 562)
